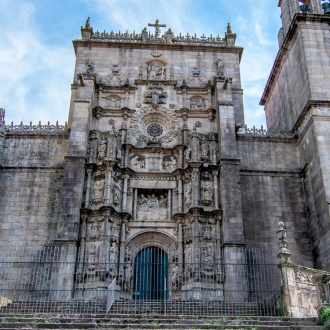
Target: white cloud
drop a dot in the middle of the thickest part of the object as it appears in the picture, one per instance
(35, 77)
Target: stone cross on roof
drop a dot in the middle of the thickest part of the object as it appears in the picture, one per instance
(157, 26)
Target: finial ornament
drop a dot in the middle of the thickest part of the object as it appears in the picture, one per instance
(88, 23)
(229, 30)
(284, 253)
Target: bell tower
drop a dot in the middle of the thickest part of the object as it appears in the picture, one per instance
(291, 7)
(297, 99)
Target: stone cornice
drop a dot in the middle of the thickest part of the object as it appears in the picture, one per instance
(286, 46)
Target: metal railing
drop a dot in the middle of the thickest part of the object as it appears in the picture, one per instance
(43, 283)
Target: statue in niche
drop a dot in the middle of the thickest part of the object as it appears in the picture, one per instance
(113, 259)
(137, 162)
(92, 256)
(170, 164)
(113, 253)
(206, 191)
(205, 149)
(153, 201)
(95, 231)
(128, 271)
(220, 68)
(143, 203)
(175, 277)
(188, 254)
(116, 193)
(208, 257)
(102, 148)
(187, 193)
(119, 154)
(90, 66)
(98, 189)
(163, 201)
(155, 72)
(188, 153)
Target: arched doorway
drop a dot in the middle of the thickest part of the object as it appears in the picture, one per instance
(150, 281)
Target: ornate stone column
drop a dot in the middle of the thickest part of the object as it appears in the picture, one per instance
(135, 217)
(169, 205)
(196, 190)
(88, 187)
(107, 186)
(82, 245)
(216, 189)
(125, 186)
(180, 193)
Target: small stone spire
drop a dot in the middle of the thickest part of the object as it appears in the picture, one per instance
(88, 23)
(87, 30)
(230, 36)
(229, 30)
(284, 253)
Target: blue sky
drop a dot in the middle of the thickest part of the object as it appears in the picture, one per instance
(37, 58)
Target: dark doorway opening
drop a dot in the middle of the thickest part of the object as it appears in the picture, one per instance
(151, 274)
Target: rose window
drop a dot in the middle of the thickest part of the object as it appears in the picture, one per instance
(155, 129)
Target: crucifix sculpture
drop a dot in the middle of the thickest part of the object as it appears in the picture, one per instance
(157, 26)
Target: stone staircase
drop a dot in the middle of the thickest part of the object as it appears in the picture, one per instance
(92, 315)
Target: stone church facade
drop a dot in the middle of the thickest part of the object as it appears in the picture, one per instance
(156, 160)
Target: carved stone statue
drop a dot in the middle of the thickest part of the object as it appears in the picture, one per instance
(188, 254)
(116, 193)
(102, 148)
(188, 153)
(206, 191)
(220, 68)
(128, 276)
(163, 201)
(90, 66)
(205, 149)
(170, 164)
(98, 189)
(137, 162)
(175, 277)
(144, 34)
(93, 255)
(187, 194)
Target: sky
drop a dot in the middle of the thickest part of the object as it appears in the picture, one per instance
(37, 57)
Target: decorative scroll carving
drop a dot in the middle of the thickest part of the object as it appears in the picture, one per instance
(197, 103)
(165, 117)
(155, 95)
(114, 79)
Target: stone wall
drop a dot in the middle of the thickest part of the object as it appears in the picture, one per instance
(31, 174)
(272, 190)
(314, 155)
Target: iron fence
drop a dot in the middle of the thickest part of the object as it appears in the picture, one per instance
(46, 282)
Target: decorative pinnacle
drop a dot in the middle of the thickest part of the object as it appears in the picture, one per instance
(284, 253)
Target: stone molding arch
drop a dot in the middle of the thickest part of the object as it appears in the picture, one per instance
(151, 238)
